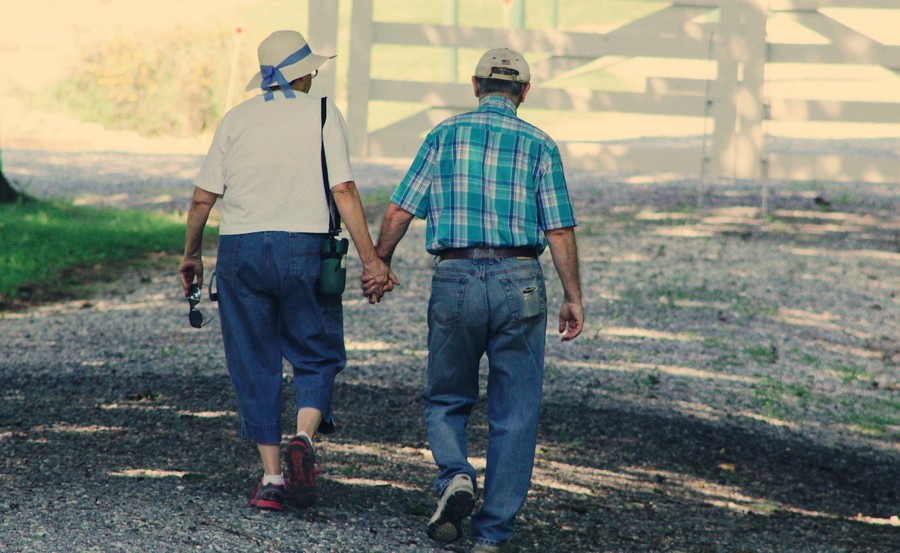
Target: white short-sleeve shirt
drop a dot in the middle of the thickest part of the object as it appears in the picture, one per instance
(265, 163)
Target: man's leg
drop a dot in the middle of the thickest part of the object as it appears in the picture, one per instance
(516, 354)
(456, 339)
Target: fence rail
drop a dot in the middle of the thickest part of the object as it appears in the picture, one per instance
(733, 100)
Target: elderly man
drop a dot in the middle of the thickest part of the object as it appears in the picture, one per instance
(492, 189)
(266, 164)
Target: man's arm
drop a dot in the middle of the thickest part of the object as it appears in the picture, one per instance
(375, 271)
(564, 250)
(198, 213)
(393, 227)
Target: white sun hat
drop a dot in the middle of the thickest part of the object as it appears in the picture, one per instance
(283, 57)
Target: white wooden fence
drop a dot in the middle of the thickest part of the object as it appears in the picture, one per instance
(733, 99)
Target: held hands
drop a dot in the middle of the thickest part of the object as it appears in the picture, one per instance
(377, 279)
(571, 320)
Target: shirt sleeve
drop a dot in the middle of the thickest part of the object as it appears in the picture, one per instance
(337, 146)
(212, 173)
(413, 193)
(554, 206)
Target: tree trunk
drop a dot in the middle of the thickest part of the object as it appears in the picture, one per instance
(7, 193)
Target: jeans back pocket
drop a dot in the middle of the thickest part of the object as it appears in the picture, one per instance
(446, 302)
(527, 295)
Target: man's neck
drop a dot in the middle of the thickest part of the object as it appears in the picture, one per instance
(515, 101)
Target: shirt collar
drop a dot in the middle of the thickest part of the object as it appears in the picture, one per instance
(497, 103)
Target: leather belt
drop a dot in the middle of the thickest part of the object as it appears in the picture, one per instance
(487, 253)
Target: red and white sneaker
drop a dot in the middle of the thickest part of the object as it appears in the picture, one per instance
(300, 478)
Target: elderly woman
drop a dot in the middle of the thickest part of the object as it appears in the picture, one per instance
(267, 164)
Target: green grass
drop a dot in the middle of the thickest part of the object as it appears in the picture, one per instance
(783, 401)
(850, 374)
(764, 355)
(43, 241)
(872, 416)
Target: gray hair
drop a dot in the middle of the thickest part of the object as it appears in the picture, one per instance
(494, 86)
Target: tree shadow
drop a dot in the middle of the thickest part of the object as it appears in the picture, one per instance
(611, 479)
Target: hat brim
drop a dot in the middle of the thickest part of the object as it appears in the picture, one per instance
(303, 67)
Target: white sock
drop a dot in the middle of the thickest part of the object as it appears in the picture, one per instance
(304, 434)
(277, 479)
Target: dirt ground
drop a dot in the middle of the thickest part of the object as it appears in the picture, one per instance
(736, 390)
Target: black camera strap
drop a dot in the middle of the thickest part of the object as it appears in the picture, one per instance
(334, 217)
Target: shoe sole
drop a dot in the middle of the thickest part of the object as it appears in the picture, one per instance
(267, 505)
(297, 491)
(448, 528)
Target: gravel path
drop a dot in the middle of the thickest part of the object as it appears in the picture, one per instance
(736, 390)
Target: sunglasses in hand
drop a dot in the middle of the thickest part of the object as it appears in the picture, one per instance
(195, 316)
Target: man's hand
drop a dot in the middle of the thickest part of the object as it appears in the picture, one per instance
(571, 320)
(393, 227)
(564, 250)
(377, 279)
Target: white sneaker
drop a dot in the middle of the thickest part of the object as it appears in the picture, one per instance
(456, 503)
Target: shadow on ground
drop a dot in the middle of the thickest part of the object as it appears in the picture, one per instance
(622, 479)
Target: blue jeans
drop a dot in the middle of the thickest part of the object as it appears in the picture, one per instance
(270, 311)
(498, 307)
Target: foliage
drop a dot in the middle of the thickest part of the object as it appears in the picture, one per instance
(175, 82)
(43, 239)
(157, 83)
(7, 192)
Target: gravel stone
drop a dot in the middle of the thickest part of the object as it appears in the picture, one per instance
(736, 388)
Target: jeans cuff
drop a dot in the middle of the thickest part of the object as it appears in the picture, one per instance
(261, 433)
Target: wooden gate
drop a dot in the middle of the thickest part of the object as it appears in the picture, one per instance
(732, 100)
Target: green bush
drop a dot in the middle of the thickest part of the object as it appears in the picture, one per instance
(156, 83)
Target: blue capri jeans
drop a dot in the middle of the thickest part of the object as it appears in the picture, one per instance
(270, 311)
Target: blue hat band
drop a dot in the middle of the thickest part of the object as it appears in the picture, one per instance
(271, 74)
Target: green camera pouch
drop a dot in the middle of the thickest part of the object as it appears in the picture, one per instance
(334, 266)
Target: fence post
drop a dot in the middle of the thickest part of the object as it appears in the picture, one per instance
(322, 36)
(738, 101)
(513, 13)
(518, 14)
(451, 17)
(359, 77)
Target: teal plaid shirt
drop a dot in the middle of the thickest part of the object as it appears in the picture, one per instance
(487, 179)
